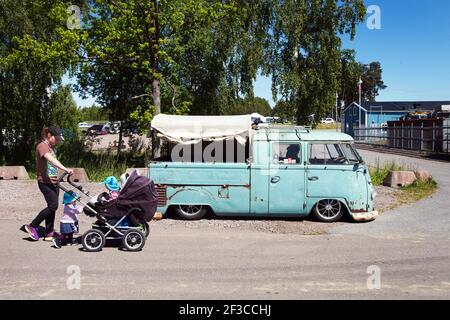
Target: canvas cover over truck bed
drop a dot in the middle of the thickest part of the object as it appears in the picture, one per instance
(194, 129)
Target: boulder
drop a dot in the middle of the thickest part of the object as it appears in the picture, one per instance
(14, 173)
(398, 179)
(422, 175)
(79, 175)
(142, 171)
(158, 216)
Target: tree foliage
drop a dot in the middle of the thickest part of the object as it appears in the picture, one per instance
(352, 71)
(35, 49)
(142, 57)
(305, 50)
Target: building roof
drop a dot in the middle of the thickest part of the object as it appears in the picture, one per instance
(401, 106)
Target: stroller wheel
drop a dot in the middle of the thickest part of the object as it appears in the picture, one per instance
(146, 230)
(93, 240)
(133, 240)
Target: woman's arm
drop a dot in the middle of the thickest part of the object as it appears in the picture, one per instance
(56, 163)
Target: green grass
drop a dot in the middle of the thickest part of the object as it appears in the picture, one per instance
(99, 165)
(379, 172)
(407, 195)
(330, 126)
(418, 190)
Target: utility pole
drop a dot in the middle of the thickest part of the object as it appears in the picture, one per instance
(336, 114)
(360, 82)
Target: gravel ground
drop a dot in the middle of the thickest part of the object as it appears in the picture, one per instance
(22, 200)
(109, 140)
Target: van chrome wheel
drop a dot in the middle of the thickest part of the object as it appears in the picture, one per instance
(328, 210)
(190, 212)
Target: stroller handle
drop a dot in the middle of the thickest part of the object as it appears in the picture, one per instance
(69, 180)
(61, 178)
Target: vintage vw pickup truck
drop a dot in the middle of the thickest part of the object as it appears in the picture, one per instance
(226, 166)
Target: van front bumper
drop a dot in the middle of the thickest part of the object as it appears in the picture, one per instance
(364, 216)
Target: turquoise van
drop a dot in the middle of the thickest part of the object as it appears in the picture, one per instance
(282, 172)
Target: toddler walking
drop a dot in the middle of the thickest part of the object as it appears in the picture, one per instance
(69, 220)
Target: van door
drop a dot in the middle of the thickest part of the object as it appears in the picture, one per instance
(287, 179)
(259, 177)
(332, 175)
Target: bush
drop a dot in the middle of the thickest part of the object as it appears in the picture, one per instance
(378, 173)
(99, 165)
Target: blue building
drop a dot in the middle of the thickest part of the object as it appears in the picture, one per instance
(377, 114)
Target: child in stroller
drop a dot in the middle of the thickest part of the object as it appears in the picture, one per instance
(116, 219)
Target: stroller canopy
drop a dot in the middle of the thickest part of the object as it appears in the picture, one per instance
(139, 193)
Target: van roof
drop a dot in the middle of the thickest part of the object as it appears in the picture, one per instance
(298, 133)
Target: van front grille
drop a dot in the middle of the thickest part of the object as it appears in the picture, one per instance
(162, 195)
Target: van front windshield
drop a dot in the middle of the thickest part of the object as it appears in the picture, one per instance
(350, 153)
(333, 154)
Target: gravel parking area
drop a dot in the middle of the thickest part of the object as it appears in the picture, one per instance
(110, 140)
(22, 200)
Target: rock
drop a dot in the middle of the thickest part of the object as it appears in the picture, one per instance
(158, 216)
(397, 179)
(422, 175)
(79, 175)
(142, 171)
(14, 173)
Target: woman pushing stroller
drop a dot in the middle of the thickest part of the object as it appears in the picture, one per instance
(47, 170)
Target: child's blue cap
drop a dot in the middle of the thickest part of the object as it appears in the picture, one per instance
(111, 183)
(69, 197)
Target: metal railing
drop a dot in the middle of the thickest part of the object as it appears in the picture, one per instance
(431, 139)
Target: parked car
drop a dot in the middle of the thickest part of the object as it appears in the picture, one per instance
(114, 127)
(98, 130)
(327, 121)
(291, 172)
(84, 125)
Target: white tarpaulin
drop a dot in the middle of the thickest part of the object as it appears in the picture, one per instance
(193, 129)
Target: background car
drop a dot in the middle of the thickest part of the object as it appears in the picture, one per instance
(327, 121)
(98, 130)
(84, 125)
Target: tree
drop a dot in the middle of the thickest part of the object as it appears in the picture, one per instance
(35, 45)
(250, 105)
(64, 111)
(93, 113)
(352, 71)
(372, 82)
(284, 110)
(305, 50)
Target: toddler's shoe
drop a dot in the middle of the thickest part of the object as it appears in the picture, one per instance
(56, 243)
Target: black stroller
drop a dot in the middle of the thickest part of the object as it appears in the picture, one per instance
(138, 198)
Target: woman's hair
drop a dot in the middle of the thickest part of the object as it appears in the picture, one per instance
(44, 133)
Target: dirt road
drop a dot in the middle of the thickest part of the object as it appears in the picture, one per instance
(405, 251)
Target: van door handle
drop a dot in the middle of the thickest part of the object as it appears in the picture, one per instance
(313, 178)
(275, 179)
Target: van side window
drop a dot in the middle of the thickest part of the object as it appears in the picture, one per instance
(285, 153)
(326, 154)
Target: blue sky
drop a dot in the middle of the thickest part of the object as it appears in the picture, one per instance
(413, 46)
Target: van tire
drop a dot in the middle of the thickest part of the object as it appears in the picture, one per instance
(190, 212)
(328, 210)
